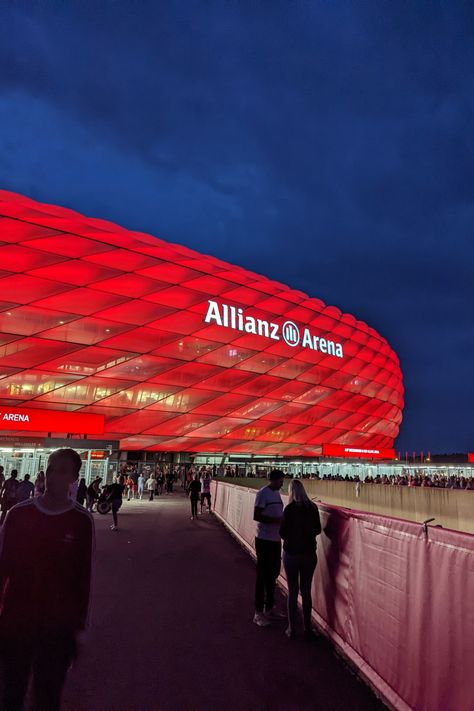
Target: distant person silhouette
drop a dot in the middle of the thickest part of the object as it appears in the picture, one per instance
(9, 493)
(194, 492)
(45, 571)
(114, 494)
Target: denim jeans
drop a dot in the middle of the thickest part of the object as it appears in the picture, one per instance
(299, 568)
(268, 570)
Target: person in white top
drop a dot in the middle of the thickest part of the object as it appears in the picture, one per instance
(206, 490)
(151, 486)
(268, 513)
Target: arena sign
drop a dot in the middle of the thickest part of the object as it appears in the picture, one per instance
(19, 418)
(235, 318)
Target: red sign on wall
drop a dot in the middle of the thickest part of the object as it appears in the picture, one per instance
(339, 450)
(20, 418)
(470, 457)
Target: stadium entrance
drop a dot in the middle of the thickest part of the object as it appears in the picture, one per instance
(99, 458)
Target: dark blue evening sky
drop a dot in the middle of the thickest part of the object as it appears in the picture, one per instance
(328, 145)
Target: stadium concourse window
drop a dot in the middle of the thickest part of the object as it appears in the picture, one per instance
(31, 460)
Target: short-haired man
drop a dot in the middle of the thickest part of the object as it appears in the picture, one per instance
(25, 489)
(268, 513)
(45, 572)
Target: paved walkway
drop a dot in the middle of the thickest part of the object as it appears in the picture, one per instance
(171, 627)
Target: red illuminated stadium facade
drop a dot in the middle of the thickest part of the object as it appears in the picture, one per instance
(170, 350)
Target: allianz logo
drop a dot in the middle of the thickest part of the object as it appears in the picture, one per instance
(235, 318)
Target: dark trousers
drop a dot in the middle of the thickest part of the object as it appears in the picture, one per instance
(268, 570)
(48, 657)
(299, 569)
(194, 507)
(116, 504)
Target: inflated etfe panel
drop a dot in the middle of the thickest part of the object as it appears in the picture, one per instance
(181, 351)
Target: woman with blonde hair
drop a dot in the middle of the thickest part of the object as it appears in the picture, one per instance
(299, 527)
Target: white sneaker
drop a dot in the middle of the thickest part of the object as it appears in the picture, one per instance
(260, 619)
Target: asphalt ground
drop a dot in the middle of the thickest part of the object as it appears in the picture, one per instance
(171, 627)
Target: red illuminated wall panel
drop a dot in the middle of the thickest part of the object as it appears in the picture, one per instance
(180, 351)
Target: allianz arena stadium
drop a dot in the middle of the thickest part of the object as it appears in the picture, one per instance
(110, 332)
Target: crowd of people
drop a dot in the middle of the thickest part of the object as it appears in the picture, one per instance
(129, 483)
(418, 478)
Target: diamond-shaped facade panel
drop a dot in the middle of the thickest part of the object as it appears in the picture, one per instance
(181, 351)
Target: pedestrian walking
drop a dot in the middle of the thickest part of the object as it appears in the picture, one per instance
(160, 480)
(26, 489)
(206, 490)
(9, 493)
(114, 495)
(194, 491)
(169, 482)
(141, 486)
(130, 484)
(268, 513)
(93, 493)
(299, 527)
(150, 486)
(81, 492)
(45, 571)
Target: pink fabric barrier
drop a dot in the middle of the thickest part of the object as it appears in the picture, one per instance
(397, 601)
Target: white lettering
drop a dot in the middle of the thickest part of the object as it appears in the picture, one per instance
(274, 332)
(15, 417)
(234, 317)
(213, 314)
(233, 313)
(307, 341)
(250, 325)
(263, 328)
(361, 451)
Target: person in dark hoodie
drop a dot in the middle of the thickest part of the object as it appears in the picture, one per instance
(299, 527)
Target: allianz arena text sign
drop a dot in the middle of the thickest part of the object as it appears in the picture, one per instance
(235, 318)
